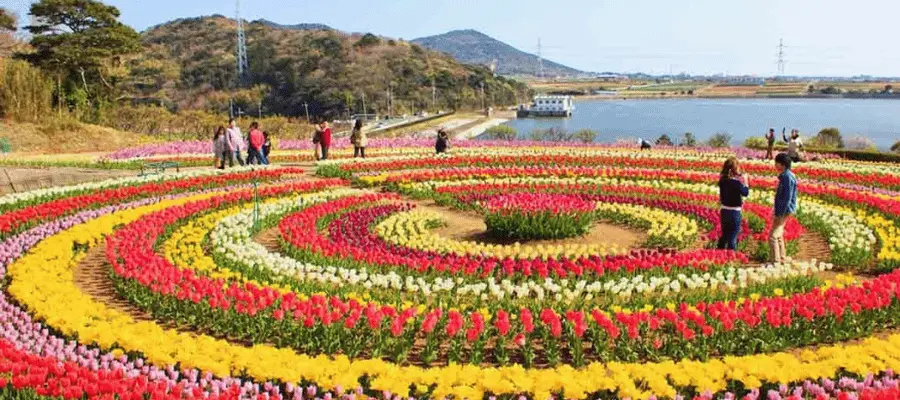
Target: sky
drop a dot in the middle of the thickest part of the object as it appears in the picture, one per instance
(704, 37)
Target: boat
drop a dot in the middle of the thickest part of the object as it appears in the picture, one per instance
(547, 106)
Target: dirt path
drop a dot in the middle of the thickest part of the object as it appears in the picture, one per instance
(91, 277)
(813, 246)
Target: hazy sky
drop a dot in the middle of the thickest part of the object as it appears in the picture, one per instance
(822, 37)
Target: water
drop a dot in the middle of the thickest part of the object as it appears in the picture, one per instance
(879, 120)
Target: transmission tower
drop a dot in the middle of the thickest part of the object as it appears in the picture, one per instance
(242, 64)
(540, 61)
(781, 61)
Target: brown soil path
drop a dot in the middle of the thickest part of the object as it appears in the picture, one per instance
(91, 277)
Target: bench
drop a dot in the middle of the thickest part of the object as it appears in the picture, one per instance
(158, 167)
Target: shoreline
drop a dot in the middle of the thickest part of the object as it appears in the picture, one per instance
(714, 97)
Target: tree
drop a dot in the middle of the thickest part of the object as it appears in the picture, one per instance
(7, 20)
(585, 135)
(896, 147)
(888, 88)
(664, 140)
(830, 138)
(689, 140)
(368, 40)
(719, 140)
(78, 38)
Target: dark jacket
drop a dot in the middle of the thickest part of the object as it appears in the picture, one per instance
(441, 145)
(732, 192)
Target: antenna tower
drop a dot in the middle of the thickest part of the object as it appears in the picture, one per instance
(242, 63)
(540, 61)
(781, 61)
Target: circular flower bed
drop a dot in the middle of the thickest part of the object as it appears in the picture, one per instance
(528, 216)
(255, 283)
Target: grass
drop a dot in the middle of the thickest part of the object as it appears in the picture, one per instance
(66, 136)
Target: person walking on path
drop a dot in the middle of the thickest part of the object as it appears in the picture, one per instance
(442, 143)
(220, 153)
(770, 143)
(794, 145)
(267, 145)
(234, 143)
(255, 152)
(359, 140)
(733, 187)
(785, 206)
(325, 139)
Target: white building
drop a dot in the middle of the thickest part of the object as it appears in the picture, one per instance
(548, 106)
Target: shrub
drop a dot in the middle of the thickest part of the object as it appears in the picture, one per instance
(664, 140)
(755, 142)
(719, 140)
(501, 132)
(861, 143)
(5, 146)
(585, 135)
(830, 138)
(689, 140)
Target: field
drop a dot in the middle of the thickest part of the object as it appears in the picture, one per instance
(503, 269)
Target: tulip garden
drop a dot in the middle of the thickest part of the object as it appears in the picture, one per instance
(281, 283)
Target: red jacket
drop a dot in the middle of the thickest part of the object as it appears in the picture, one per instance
(257, 139)
(326, 137)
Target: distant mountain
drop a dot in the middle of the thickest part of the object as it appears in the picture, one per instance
(190, 64)
(473, 47)
(299, 27)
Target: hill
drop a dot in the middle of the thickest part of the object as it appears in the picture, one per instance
(190, 63)
(471, 46)
(299, 27)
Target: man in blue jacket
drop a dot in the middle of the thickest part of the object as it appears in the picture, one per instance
(785, 206)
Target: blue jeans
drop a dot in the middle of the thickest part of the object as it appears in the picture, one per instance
(731, 228)
(256, 157)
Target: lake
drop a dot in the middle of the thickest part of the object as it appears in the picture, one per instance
(876, 119)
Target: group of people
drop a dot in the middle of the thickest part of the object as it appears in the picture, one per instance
(734, 185)
(229, 144)
(794, 144)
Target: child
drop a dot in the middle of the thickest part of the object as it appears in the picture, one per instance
(443, 142)
(267, 146)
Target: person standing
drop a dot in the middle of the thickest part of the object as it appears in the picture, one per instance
(267, 145)
(234, 143)
(770, 143)
(733, 187)
(256, 139)
(442, 143)
(785, 206)
(359, 140)
(325, 140)
(794, 145)
(220, 153)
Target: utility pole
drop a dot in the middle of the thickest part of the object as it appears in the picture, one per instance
(306, 107)
(365, 112)
(482, 96)
(781, 61)
(433, 95)
(260, 108)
